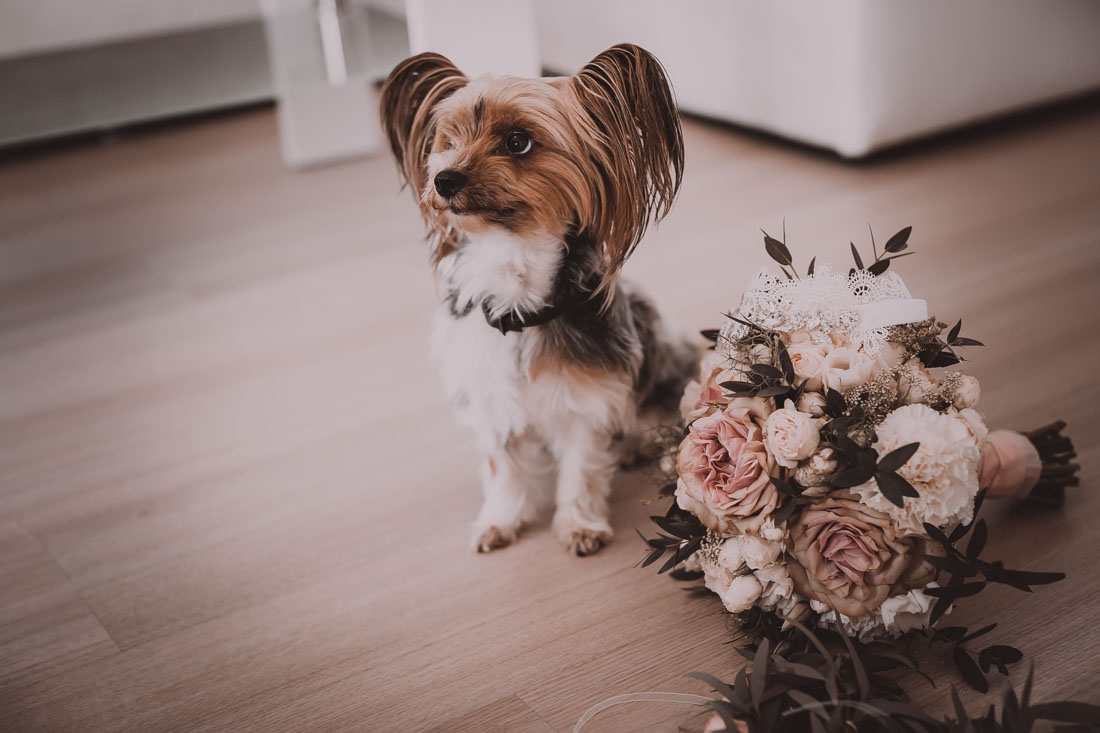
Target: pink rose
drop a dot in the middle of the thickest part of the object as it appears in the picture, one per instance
(724, 468)
(699, 396)
(852, 558)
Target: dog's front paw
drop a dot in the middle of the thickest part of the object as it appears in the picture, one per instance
(584, 542)
(492, 537)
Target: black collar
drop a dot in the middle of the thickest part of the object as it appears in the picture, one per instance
(564, 303)
(571, 292)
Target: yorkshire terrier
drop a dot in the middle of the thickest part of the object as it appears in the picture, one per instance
(535, 192)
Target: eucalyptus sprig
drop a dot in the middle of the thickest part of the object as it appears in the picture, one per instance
(894, 246)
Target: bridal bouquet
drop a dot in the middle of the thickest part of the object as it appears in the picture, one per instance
(832, 456)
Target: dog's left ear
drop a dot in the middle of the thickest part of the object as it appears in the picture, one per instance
(412, 89)
(625, 111)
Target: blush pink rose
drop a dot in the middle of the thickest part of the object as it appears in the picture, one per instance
(852, 558)
(724, 468)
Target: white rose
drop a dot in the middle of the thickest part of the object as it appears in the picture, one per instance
(974, 424)
(845, 367)
(769, 531)
(907, 611)
(742, 593)
(807, 359)
(776, 585)
(729, 557)
(967, 392)
(818, 469)
(755, 552)
(790, 435)
(812, 403)
(915, 384)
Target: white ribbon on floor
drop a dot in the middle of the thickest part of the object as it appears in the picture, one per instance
(680, 697)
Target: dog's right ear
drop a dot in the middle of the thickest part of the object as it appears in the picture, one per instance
(412, 89)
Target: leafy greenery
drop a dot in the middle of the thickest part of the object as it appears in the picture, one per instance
(827, 682)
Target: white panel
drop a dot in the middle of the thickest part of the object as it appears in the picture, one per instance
(497, 37)
(851, 75)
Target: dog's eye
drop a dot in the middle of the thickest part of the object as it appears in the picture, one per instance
(517, 142)
(450, 144)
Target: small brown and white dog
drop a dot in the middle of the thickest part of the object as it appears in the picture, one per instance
(535, 192)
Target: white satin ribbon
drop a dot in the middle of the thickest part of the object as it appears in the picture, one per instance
(891, 313)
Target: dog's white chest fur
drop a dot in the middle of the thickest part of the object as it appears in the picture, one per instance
(488, 375)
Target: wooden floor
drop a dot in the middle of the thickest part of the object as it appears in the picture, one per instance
(232, 497)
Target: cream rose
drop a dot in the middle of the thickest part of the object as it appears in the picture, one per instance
(845, 367)
(812, 403)
(724, 468)
(818, 469)
(967, 392)
(791, 435)
(915, 383)
(808, 358)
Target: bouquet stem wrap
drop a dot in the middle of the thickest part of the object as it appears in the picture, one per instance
(1036, 465)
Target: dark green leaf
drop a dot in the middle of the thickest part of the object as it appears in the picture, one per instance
(810, 269)
(935, 533)
(716, 684)
(784, 486)
(767, 370)
(777, 250)
(774, 391)
(834, 402)
(856, 257)
(969, 670)
(964, 341)
(786, 364)
(652, 557)
(1000, 655)
(857, 667)
(1022, 579)
(760, 672)
(954, 592)
(951, 634)
(784, 512)
(977, 539)
(852, 477)
(980, 632)
(894, 488)
(899, 241)
(1068, 712)
(896, 458)
(877, 268)
(738, 387)
(710, 334)
(954, 332)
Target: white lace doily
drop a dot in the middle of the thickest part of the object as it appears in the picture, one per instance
(861, 305)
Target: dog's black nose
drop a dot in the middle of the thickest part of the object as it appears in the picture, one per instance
(449, 182)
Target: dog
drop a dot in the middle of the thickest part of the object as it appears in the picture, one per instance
(535, 192)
